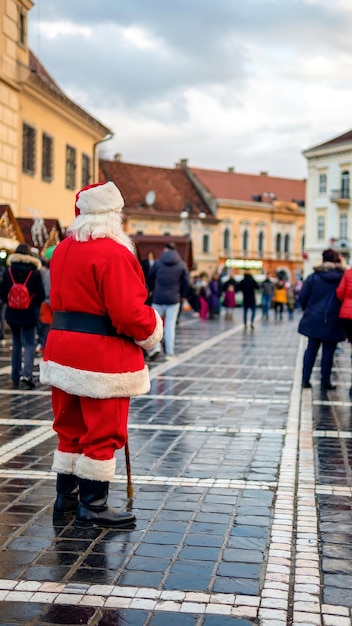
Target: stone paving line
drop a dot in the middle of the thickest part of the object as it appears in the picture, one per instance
(291, 589)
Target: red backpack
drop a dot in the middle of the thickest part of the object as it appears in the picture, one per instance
(18, 297)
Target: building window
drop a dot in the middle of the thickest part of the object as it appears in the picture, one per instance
(343, 226)
(322, 183)
(227, 239)
(245, 242)
(22, 27)
(345, 184)
(321, 227)
(261, 243)
(70, 167)
(28, 149)
(287, 245)
(278, 245)
(206, 243)
(86, 160)
(47, 157)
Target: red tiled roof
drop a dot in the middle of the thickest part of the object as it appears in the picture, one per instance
(235, 186)
(344, 138)
(172, 187)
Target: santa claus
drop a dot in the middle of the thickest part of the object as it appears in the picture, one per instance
(93, 357)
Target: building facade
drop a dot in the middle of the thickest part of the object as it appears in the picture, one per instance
(48, 144)
(328, 211)
(261, 220)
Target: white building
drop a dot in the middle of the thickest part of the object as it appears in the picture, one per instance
(328, 199)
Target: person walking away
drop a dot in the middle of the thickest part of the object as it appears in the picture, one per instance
(170, 282)
(268, 289)
(344, 294)
(2, 307)
(204, 295)
(24, 270)
(147, 264)
(229, 302)
(291, 301)
(320, 321)
(93, 356)
(214, 297)
(280, 298)
(248, 286)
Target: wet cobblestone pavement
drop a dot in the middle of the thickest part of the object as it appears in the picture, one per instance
(242, 493)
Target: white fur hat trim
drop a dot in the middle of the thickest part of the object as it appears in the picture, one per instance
(100, 199)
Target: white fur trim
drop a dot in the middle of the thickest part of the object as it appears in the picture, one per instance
(100, 199)
(155, 337)
(64, 462)
(92, 469)
(16, 257)
(94, 384)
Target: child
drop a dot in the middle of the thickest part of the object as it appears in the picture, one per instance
(229, 302)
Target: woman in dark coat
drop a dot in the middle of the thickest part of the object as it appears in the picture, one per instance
(320, 321)
(23, 322)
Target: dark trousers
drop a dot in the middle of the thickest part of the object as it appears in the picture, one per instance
(326, 359)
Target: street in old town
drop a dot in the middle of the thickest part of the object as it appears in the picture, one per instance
(242, 494)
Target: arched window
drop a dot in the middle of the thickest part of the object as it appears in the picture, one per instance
(278, 245)
(287, 245)
(227, 239)
(261, 243)
(206, 243)
(345, 184)
(245, 242)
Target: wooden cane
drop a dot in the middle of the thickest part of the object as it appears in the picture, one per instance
(128, 470)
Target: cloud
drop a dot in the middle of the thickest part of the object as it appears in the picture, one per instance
(221, 82)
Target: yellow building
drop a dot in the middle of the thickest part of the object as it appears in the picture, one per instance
(261, 219)
(48, 144)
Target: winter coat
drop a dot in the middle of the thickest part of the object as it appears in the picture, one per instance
(344, 294)
(214, 292)
(168, 278)
(21, 265)
(280, 295)
(100, 277)
(319, 302)
(268, 287)
(248, 286)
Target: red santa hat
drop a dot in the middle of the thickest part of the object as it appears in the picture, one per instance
(98, 198)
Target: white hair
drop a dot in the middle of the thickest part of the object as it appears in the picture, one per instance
(99, 226)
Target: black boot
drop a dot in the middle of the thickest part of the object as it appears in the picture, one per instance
(67, 496)
(93, 509)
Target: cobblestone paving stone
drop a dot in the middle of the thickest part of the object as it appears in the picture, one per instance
(242, 492)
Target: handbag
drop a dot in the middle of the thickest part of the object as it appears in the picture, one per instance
(45, 313)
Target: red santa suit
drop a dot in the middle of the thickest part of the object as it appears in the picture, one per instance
(93, 375)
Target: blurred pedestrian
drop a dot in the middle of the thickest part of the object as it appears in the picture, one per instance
(249, 287)
(291, 301)
(229, 302)
(344, 294)
(280, 297)
(268, 288)
(320, 321)
(214, 297)
(204, 294)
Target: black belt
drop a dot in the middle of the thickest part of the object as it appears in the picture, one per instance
(85, 323)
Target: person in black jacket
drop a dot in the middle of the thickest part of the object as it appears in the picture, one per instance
(248, 286)
(169, 281)
(320, 321)
(23, 322)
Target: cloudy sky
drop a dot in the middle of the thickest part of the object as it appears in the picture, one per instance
(243, 83)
